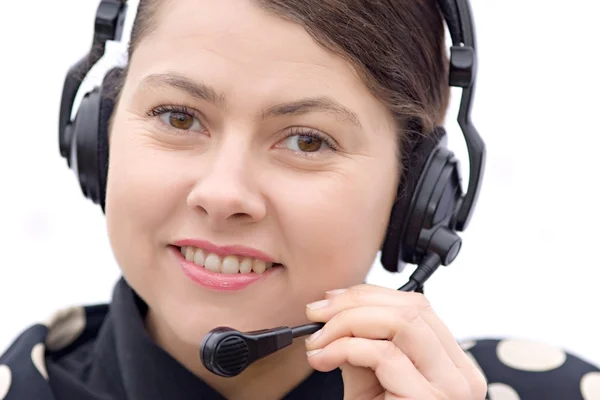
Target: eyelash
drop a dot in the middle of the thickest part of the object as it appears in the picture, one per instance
(294, 131)
(162, 109)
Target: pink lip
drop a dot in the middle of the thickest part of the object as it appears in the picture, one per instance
(223, 251)
(218, 281)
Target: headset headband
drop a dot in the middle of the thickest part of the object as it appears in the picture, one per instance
(463, 71)
(108, 26)
(110, 19)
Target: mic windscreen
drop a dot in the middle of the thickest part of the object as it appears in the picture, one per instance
(227, 352)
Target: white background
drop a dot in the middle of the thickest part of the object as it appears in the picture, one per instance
(529, 265)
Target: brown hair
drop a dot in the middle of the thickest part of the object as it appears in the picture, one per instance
(397, 47)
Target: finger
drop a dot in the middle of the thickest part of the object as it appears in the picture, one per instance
(375, 295)
(394, 370)
(360, 383)
(371, 295)
(404, 327)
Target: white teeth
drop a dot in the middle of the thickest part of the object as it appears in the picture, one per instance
(189, 253)
(230, 265)
(246, 266)
(213, 263)
(199, 257)
(259, 266)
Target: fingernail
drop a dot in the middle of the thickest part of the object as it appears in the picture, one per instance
(314, 336)
(335, 292)
(313, 352)
(318, 304)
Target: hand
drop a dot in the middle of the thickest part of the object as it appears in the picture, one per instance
(390, 345)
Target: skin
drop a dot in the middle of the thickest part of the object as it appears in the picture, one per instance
(234, 175)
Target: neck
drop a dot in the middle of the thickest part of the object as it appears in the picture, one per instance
(269, 378)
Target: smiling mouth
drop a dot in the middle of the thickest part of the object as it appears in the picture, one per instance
(230, 264)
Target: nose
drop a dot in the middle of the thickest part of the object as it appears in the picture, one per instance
(226, 190)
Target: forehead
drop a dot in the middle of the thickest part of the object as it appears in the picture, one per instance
(254, 32)
(236, 35)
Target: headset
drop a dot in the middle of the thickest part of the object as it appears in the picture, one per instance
(430, 206)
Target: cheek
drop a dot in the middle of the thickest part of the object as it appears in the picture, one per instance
(136, 215)
(334, 225)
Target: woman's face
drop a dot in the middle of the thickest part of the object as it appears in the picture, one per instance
(235, 128)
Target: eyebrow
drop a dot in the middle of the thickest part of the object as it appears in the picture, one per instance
(195, 89)
(204, 92)
(318, 104)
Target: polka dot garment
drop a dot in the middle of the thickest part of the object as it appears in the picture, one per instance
(91, 353)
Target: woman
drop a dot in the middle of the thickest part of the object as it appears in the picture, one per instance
(253, 169)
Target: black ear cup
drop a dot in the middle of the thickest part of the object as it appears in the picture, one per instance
(109, 93)
(83, 152)
(88, 153)
(427, 199)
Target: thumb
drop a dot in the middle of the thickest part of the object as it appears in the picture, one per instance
(360, 383)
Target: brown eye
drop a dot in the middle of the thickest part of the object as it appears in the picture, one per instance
(309, 144)
(304, 143)
(181, 120)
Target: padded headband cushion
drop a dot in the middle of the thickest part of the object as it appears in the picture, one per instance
(108, 95)
(449, 10)
(417, 150)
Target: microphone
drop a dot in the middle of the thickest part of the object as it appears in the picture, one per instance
(227, 352)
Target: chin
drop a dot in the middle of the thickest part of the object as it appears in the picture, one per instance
(190, 322)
